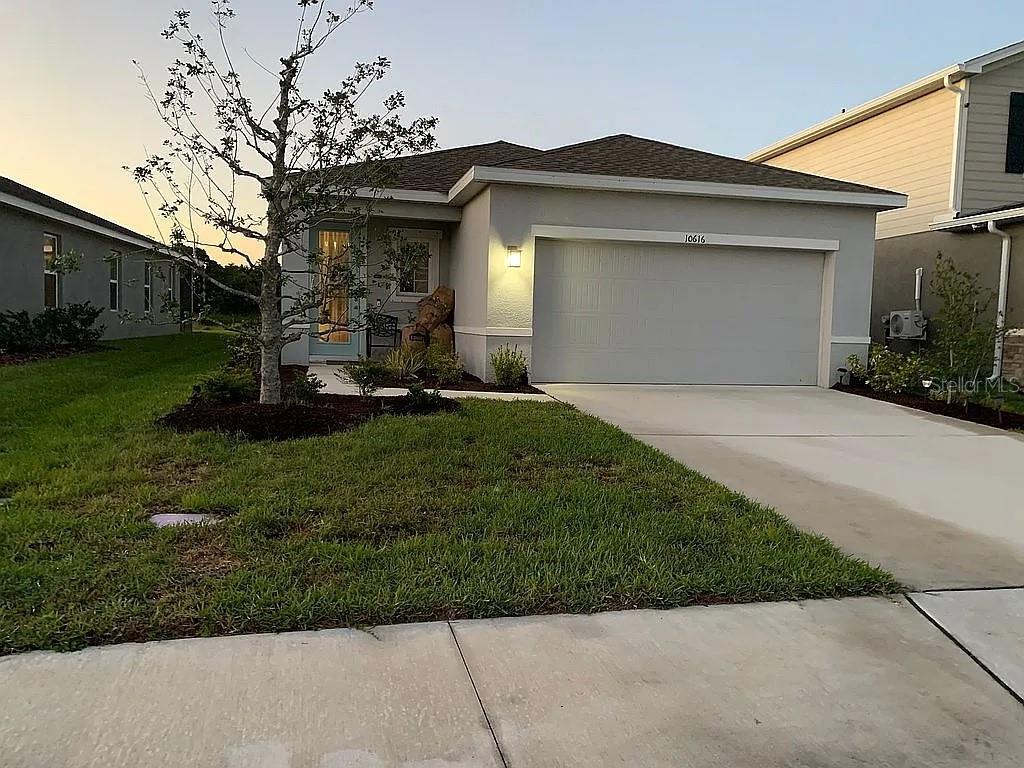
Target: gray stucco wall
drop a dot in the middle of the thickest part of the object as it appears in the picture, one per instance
(468, 277)
(896, 259)
(21, 257)
(514, 210)
(402, 307)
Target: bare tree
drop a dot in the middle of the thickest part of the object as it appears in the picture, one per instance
(309, 159)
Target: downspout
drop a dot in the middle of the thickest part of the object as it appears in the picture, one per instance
(1004, 279)
(947, 83)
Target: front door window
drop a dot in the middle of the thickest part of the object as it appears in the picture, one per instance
(334, 312)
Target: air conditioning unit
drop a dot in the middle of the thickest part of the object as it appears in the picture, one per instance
(907, 324)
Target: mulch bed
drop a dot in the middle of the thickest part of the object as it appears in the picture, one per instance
(289, 421)
(469, 383)
(978, 414)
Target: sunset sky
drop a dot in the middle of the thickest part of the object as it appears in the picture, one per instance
(721, 76)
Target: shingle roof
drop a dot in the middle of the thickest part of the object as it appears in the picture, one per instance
(438, 171)
(620, 155)
(13, 188)
(625, 155)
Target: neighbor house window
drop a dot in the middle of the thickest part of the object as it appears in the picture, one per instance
(172, 282)
(51, 280)
(147, 287)
(1015, 135)
(115, 281)
(422, 247)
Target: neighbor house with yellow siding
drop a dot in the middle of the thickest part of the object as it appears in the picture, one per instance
(953, 142)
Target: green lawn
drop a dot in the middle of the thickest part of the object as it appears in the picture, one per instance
(500, 509)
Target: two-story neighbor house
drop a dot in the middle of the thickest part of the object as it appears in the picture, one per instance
(953, 142)
(126, 274)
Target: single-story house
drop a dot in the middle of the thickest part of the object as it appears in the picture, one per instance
(120, 271)
(629, 260)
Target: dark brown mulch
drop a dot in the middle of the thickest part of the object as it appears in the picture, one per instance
(469, 383)
(289, 421)
(978, 414)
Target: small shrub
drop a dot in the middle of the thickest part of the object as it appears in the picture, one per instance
(424, 401)
(509, 365)
(244, 351)
(18, 333)
(225, 386)
(70, 327)
(367, 374)
(405, 363)
(889, 371)
(963, 330)
(444, 366)
(858, 371)
(304, 388)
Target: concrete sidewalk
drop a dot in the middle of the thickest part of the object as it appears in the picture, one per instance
(867, 681)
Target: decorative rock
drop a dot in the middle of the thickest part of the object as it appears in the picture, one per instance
(171, 519)
(415, 336)
(435, 308)
(444, 337)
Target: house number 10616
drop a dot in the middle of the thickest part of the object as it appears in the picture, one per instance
(692, 238)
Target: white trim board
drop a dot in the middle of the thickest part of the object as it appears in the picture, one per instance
(851, 339)
(477, 177)
(492, 331)
(979, 218)
(695, 239)
(75, 221)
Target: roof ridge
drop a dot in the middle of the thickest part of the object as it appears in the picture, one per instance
(578, 144)
(466, 146)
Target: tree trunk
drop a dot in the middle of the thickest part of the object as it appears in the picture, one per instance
(271, 332)
(270, 355)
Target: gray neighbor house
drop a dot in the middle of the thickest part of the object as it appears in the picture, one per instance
(121, 272)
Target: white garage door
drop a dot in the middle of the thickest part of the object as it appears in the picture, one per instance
(645, 313)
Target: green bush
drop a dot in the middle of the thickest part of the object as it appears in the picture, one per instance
(304, 388)
(444, 366)
(225, 386)
(509, 365)
(367, 374)
(71, 327)
(405, 363)
(889, 371)
(963, 331)
(424, 401)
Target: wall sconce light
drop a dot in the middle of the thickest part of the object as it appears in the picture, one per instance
(514, 257)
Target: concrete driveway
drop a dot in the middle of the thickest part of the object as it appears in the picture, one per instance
(936, 501)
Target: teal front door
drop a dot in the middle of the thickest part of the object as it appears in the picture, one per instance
(329, 338)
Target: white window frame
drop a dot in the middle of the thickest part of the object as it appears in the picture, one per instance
(172, 281)
(147, 287)
(117, 261)
(432, 238)
(47, 272)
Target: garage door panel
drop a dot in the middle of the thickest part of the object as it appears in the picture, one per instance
(631, 312)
